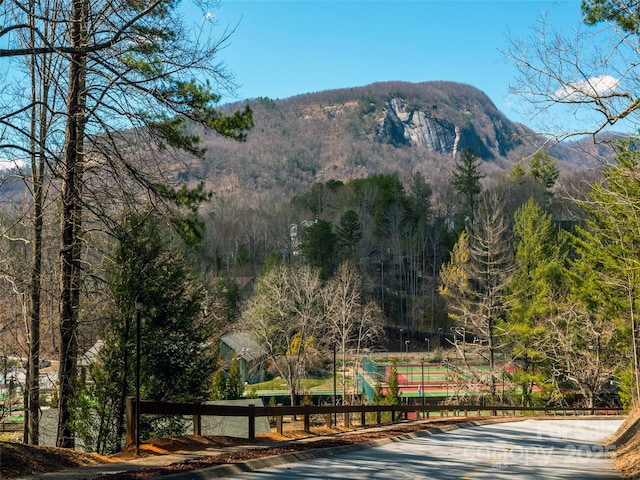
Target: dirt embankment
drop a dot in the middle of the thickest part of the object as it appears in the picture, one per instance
(627, 443)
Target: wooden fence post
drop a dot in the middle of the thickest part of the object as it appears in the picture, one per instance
(252, 422)
(307, 422)
(197, 425)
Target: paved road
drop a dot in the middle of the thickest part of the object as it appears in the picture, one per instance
(530, 449)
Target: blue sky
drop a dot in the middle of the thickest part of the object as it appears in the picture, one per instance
(285, 48)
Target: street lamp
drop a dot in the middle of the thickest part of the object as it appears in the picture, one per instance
(422, 392)
(406, 343)
(335, 415)
(138, 303)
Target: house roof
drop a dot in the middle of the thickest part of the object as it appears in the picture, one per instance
(91, 355)
(243, 344)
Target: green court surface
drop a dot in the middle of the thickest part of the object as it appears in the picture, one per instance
(431, 381)
(427, 380)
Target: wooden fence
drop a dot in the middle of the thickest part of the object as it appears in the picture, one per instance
(11, 427)
(397, 413)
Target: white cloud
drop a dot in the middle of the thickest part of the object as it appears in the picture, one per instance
(9, 164)
(592, 87)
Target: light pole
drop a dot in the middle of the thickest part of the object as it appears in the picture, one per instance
(335, 415)
(401, 348)
(422, 364)
(138, 303)
(406, 343)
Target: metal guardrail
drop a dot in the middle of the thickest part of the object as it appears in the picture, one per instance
(397, 413)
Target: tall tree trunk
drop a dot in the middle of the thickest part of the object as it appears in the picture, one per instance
(39, 128)
(69, 270)
(32, 333)
(36, 284)
(34, 330)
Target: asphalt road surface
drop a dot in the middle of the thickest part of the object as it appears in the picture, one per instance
(530, 449)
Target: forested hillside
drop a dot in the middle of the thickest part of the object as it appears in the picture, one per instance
(392, 127)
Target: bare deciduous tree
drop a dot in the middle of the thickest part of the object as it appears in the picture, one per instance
(590, 72)
(584, 351)
(350, 326)
(475, 282)
(285, 315)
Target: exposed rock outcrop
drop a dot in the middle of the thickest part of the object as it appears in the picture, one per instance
(403, 125)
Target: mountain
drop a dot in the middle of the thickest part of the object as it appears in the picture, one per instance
(390, 127)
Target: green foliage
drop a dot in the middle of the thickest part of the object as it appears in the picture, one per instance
(266, 102)
(235, 385)
(620, 13)
(380, 196)
(197, 101)
(517, 172)
(176, 363)
(392, 397)
(537, 284)
(319, 247)
(377, 399)
(304, 162)
(219, 385)
(604, 274)
(419, 198)
(466, 181)
(544, 168)
(454, 277)
(626, 387)
(184, 196)
(252, 393)
(348, 234)
(317, 197)
(172, 131)
(243, 256)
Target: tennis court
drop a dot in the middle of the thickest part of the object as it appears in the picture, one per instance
(428, 380)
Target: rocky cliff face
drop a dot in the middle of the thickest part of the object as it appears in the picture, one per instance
(447, 130)
(403, 125)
